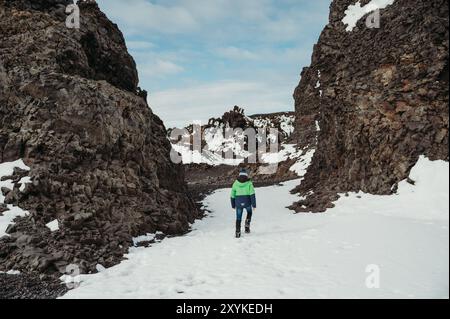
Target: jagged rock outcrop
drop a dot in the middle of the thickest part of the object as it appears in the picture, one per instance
(380, 98)
(236, 118)
(99, 158)
(211, 172)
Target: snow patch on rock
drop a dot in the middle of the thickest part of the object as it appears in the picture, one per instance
(7, 169)
(317, 126)
(143, 239)
(303, 163)
(100, 268)
(23, 182)
(53, 225)
(11, 272)
(355, 12)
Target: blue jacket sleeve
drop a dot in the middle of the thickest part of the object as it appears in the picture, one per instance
(252, 195)
(253, 198)
(233, 202)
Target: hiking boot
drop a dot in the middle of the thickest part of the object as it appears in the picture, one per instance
(238, 229)
(247, 227)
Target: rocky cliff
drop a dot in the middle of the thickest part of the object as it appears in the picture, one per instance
(373, 100)
(99, 158)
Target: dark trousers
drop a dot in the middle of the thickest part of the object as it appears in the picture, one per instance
(240, 212)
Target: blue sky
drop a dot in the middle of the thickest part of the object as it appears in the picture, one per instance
(198, 58)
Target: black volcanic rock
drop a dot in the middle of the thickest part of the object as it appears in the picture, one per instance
(26, 286)
(384, 100)
(99, 158)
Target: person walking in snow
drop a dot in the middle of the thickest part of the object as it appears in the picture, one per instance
(243, 197)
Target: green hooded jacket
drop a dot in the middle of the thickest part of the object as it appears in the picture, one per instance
(243, 194)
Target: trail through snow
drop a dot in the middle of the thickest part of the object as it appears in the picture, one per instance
(299, 256)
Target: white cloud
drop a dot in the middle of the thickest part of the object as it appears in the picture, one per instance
(159, 68)
(179, 107)
(236, 53)
(272, 20)
(138, 15)
(140, 45)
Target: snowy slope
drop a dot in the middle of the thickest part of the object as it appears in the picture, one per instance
(299, 256)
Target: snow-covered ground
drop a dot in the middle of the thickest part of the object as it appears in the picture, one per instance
(400, 242)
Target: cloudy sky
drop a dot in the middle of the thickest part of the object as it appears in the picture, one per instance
(199, 58)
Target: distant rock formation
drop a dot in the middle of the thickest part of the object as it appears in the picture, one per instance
(99, 158)
(373, 100)
(211, 170)
(236, 119)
